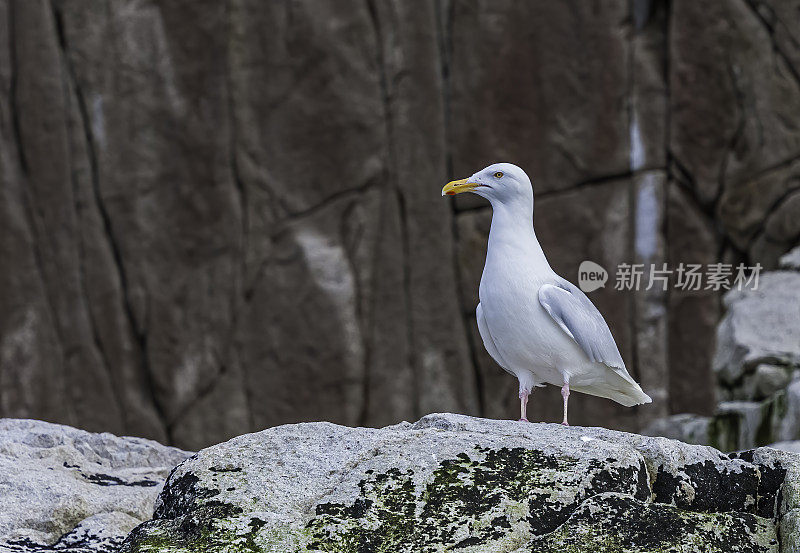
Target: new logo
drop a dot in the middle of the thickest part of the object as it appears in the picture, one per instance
(591, 276)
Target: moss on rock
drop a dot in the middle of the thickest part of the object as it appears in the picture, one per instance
(462, 485)
(614, 523)
(500, 500)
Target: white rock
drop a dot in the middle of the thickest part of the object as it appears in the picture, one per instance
(686, 427)
(452, 482)
(79, 490)
(791, 260)
(793, 446)
(769, 379)
(759, 326)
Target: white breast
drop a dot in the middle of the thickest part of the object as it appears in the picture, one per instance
(524, 333)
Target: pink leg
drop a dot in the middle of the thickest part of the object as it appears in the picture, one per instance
(523, 405)
(565, 395)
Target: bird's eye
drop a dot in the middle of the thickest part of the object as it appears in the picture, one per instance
(498, 175)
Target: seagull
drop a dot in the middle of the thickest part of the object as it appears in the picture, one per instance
(537, 326)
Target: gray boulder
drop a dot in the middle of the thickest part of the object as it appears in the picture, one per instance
(63, 489)
(451, 482)
(739, 424)
(769, 379)
(746, 424)
(686, 427)
(760, 326)
(792, 446)
(757, 363)
(791, 261)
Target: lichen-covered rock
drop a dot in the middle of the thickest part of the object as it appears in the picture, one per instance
(739, 424)
(63, 489)
(455, 483)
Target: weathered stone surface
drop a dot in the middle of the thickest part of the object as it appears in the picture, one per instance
(792, 447)
(729, 80)
(693, 314)
(781, 230)
(451, 482)
(649, 311)
(790, 531)
(686, 427)
(236, 200)
(785, 420)
(64, 489)
(758, 384)
(756, 361)
(501, 112)
(768, 380)
(791, 261)
(759, 326)
(740, 424)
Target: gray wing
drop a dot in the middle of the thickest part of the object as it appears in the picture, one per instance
(580, 319)
(488, 341)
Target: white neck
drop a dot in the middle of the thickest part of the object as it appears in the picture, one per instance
(512, 234)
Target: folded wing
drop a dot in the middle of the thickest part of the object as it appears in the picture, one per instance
(579, 318)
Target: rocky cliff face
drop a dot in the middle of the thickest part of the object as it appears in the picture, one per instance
(204, 201)
(455, 483)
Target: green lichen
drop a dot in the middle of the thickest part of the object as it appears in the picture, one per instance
(724, 431)
(494, 500)
(225, 536)
(764, 433)
(503, 498)
(613, 523)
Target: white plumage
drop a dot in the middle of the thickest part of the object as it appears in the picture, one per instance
(535, 324)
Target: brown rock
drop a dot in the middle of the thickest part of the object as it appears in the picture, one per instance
(545, 87)
(734, 102)
(216, 217)
(693, 314)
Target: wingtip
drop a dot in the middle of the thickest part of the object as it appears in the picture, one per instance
(638, 397)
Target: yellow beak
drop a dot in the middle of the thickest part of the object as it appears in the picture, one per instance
(458, 186)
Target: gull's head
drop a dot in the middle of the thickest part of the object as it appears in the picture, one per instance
(502, 183)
